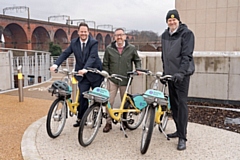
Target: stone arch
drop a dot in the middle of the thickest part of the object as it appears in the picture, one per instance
(74, 35)
(99, 38)
(107, 40)
(15, 36)
(40, 39)
(60, 38)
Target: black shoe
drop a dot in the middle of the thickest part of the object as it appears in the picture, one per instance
(77, 124)
(181, 144)
(173, 135)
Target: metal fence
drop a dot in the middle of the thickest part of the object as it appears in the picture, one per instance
(34, 64)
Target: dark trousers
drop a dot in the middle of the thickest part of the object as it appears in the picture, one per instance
(178, 93)
(83, 86)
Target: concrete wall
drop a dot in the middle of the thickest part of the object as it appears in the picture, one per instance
(5, 82)
(216, 76)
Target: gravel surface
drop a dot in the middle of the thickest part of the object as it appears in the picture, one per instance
(14, 120)
(216, 116)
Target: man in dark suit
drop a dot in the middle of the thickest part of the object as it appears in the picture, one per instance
(85, 49)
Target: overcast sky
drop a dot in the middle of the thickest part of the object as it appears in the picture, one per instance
(147, 15)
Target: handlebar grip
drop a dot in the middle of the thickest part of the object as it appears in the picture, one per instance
(117, 75)
(132, 73)
(56, 70)
(142, 70)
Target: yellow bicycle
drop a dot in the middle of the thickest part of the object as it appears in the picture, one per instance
(157, 111)
(67, 94)
(130, 113)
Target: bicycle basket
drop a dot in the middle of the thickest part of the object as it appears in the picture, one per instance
(61, 88)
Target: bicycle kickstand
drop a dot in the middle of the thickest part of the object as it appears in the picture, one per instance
(164, 133)
(125, 134)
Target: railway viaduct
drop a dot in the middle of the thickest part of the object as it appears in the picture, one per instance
(30, 34)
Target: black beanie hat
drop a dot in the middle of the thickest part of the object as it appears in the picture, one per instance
(172, 14)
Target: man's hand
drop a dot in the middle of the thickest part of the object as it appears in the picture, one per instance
(82, 72)
(139, 73)
(178, 77)
(53, 68)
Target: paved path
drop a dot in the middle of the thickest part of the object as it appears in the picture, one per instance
(204, 142)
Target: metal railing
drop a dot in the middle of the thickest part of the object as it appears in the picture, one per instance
(34, 66)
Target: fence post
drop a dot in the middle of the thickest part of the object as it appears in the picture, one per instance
(20, 84)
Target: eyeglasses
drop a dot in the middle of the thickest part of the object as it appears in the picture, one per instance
(117, 35)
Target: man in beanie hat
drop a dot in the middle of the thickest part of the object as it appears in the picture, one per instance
(177, 57)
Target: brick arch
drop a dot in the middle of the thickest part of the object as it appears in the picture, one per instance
(99, 38)
(74, 34)
(40, 39)
(107, 40)
(15, 37)
(60, 38)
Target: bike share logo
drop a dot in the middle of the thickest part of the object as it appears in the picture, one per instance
(155, 93)
(101, 91)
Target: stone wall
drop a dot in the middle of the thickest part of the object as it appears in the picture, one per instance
(217, 75)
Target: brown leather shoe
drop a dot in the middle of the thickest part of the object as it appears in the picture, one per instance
(107, 128)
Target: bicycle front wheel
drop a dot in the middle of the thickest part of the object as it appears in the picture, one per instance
(132, 120)
(56, 118)
(164, 120)
(147, 129)
(89, 125)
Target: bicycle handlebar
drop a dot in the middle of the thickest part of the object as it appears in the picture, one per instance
(105, 74)
(66, 71)
(166, 77)
(95, 70)
(157, 75)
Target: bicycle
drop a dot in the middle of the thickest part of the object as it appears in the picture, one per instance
(130, 113)
(157, 111)
(67, 99)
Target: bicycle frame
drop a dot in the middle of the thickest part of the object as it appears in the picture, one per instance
(72, 105)
(115, 113)
(101, 95)
(72, 102)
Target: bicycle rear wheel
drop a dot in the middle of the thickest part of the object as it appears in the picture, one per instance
(147, 129)
(89, 125)
(133, 119)
(56, 118)
(164, 120)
